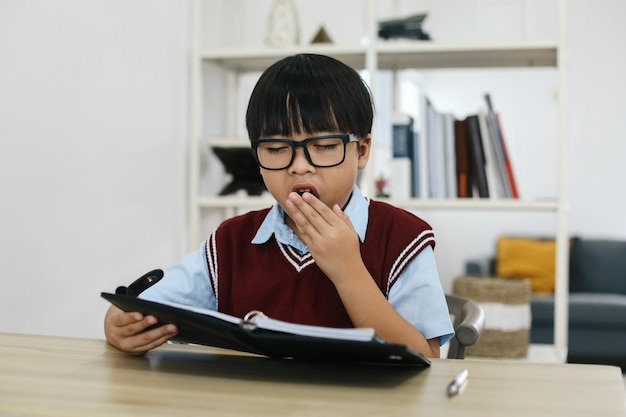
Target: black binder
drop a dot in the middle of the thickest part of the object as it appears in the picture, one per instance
(249, 335)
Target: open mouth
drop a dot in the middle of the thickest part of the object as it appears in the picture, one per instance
(304, 188)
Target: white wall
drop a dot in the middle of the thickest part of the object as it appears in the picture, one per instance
(597, 121)
(93, 136)
(93, 122)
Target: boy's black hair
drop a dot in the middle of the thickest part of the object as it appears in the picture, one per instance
(309, 93)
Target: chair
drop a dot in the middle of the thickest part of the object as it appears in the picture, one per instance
(468, 320)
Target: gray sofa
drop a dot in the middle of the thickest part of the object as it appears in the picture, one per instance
(597, 302)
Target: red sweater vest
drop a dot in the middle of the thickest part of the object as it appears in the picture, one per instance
(274, 278)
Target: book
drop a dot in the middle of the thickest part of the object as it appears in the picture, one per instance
(494, 168)
(415, 165)
(423, 161)
(507, 161)
(262, 335)
(401, 135)
(433, 128)
(438, 132)
(402, 164)
(504, 163)
(477, 156)
(462, 159)
(449, 155)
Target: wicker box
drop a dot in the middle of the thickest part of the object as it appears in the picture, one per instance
(506, 302)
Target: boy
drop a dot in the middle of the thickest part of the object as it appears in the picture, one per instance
(323, 254)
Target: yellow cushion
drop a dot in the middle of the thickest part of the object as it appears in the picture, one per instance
(527, 258)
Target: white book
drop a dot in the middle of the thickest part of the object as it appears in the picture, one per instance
(450, 155)
(494, 176)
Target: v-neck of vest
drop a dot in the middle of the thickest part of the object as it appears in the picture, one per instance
(297, 260)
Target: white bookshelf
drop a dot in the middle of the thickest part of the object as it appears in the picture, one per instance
(391, 55)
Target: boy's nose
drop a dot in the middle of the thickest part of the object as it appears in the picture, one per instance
(300, 162)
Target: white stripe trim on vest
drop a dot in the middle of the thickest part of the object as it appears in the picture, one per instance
(407, 254)
(295, 255)
(211, 252)
(302, 260)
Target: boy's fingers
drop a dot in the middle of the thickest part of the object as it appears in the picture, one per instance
(142, 342)
(308, 221)
(318, 206)
(313, 210)
(343, 216)
(120, 318)
(139, 326)
(160, 335)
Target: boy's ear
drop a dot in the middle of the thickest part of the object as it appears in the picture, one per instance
(365, 146)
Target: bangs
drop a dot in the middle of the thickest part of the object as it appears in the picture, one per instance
(298, 111)
(307, 94)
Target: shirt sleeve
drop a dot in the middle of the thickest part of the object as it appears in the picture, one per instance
(418, 296)
(186, 282)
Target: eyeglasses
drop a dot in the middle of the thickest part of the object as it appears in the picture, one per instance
(321, 151)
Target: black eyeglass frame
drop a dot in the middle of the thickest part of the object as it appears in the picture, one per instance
(302, 144)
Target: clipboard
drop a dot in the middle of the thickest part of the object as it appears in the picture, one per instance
(250, 334)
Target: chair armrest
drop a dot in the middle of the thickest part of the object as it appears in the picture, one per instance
(473, 324)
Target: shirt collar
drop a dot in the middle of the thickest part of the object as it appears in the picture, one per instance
(274, 223)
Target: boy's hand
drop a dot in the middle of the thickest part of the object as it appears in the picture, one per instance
(127, 331)
(334, 244)
(329, 235)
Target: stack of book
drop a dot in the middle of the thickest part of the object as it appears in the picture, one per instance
(455, 158)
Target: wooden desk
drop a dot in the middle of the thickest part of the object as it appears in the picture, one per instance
(54, 376)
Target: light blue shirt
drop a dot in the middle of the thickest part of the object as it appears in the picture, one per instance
(417, 294)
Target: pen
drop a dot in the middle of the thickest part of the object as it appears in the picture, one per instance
(458, 383)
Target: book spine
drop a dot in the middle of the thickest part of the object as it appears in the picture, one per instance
(494, 165)
(436, 146)
(477, 155)
(507, 160)
(498, 145)
(450, 156)
(463, 170)
(402, 162)
(415, 165)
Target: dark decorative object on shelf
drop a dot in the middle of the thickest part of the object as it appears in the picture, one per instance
(321, 36)
(239, 162)
(410, 27)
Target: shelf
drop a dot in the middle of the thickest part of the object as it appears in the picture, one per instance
(228, 202)
(423, 55)
(376, 56)
(399, 55)
(481, 204)
(425, 204)
(255, 59)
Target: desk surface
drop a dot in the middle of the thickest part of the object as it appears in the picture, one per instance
(54, 376)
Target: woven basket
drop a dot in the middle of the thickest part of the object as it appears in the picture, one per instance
(506, 302)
